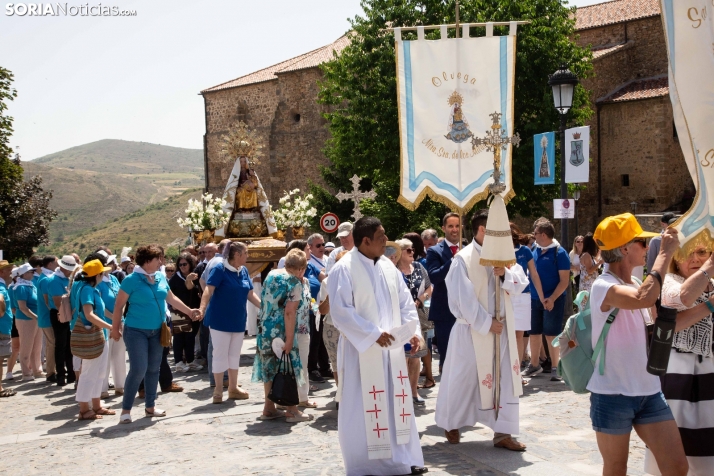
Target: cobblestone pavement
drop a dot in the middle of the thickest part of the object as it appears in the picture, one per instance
(39, 434)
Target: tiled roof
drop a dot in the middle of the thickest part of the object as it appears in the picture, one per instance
(306, 60)
(602, 51)
(617, 11)
(646, 88)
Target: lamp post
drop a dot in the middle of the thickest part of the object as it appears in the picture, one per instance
(563, 83)
(576, 196)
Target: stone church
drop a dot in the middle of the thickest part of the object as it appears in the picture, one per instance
(636, 162)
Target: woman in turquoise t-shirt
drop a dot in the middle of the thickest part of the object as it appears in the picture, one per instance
(146, 292)
(26, 323)
(90, 311)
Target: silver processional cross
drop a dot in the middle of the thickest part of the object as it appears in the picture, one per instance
(495, 141)
(356, 196)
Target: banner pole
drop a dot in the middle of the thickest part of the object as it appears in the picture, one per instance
(457, 18)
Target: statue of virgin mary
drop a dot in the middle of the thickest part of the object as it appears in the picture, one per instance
(246, 201)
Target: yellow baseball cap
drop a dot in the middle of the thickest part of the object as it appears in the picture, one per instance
(94, 267)
(619, 230)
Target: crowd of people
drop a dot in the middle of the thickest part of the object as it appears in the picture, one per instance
(72, 321)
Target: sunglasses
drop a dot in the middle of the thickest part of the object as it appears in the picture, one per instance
(642, 241)
(579, 241)
(409, 250)
(320, 245)
(182, 265)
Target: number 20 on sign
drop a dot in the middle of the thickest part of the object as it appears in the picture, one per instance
(329, 222)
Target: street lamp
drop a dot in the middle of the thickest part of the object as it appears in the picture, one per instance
(563, 83)
(576, 196)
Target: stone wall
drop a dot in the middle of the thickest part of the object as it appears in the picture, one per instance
(285, 112)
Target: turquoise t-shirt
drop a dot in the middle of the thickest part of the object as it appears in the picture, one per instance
(6, 319)
(13, 303)
(147, 302)
(29, 295)
(43, 312)
(109, 291)
(56, 286)
(90, 295)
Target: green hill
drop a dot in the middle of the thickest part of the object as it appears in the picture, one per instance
(127, 157)
(98, 182)
(155, 223)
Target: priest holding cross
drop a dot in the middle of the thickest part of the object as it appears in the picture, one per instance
(375, 313)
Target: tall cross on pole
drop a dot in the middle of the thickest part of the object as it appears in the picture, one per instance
(496, 141)
(356, 196)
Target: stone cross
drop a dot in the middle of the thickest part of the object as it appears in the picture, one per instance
(356, 196)
(495, 140)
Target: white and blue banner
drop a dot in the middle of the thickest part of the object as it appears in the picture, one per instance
(577, 155)
(447, 89)
(689, 31)
(544, 159)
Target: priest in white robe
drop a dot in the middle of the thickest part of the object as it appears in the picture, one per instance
(371, 306)
(466, 394)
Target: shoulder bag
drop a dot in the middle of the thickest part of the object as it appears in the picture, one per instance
(87, 344)
(285, 390)
(64, 313)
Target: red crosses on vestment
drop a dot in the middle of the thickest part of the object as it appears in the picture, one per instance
(402, 377)
(488, 381)
(375, 411)
(379, 430)
(374, 392)
(403, 395)
(516, 368)
(404, 416)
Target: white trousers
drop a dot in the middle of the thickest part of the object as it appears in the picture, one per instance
(116, 363)
(252, 322)
(304, 350)
(92, 377)
(226, 350)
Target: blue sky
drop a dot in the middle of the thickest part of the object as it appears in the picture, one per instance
(83, 78)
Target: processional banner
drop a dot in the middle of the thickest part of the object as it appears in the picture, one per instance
(689, 32)
(577, 155)
(446, 90)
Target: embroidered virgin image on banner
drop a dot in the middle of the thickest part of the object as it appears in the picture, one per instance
(544, 158)
(446, 90)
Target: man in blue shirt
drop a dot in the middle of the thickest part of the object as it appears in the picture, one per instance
(43, 272)
(553, 265)
(57, 286)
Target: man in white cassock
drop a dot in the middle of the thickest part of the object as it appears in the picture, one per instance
(375, 313)
(466, 394)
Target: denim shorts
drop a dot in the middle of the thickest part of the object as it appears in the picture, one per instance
(545, 322)
(615, 414)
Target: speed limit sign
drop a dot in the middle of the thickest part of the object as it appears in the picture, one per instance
(329, 222)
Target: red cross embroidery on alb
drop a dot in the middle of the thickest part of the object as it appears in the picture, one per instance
(515, 367)
(404, 416)
(375, 411)
(379, 430)
(374, 392)
(488, 381)
(402, 377)
(403, 395)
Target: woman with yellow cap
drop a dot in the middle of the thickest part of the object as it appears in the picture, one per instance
(90, 308)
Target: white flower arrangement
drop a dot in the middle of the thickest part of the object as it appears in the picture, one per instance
(295, 211)
(205, 214)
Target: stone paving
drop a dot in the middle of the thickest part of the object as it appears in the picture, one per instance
(39, 434)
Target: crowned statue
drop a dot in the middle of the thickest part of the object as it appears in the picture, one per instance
(458, 127)
(246, 202)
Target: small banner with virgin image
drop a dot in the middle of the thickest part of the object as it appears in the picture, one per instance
(544, 158)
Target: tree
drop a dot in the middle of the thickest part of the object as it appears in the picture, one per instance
(359, 89)
(25, 212)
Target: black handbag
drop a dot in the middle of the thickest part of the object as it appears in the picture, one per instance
(285, 389)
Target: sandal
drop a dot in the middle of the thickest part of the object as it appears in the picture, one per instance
(272, 415)
(94, 416)
(217, 398)
(104, 411)
(433, 383)
(125, 418)
(238, 395)
(7, 393)
(298, 418)
(307, 404)
(158, 412)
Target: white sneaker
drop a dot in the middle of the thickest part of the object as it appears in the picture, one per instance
(28, 378)
(9, 376)
(181, 367)
(195, 366)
